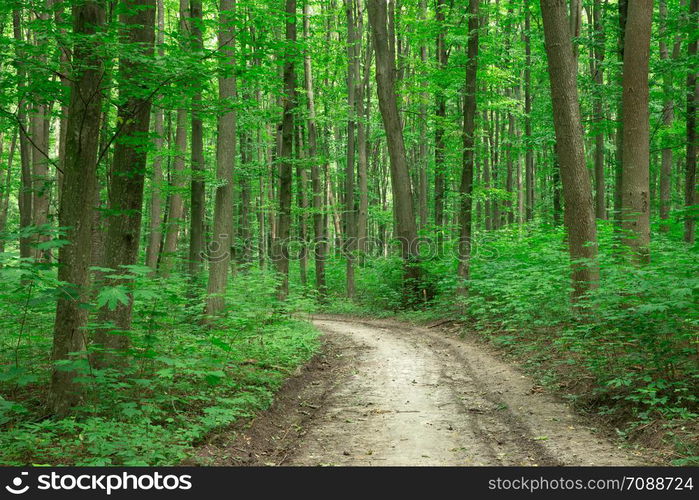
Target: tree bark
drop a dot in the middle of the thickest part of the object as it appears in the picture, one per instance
(219, 251)
(320, 239)
(570, 150)
(79, 182)
(400, 177)
(155, 233)
(197, 199)
(127, 176)
(636, 160)
(690, 186)
(281, 253)
(466, 188)
(440, 118)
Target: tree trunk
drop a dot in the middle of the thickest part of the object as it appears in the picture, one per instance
(320, 239)
(466, 188)
(25, 195)
(197, 200)
(635, 173)
(529, 155)
(668, 118)
(570, 150)
(80, 175)
(281, 253)
(400, 177)
(440, 118)
(618, 188)
(350, 239)
(598, 77)
(219, 251)
(690, 188)
(155, 233)
(127, 176)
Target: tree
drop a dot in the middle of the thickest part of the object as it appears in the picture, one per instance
(404, 215)
(219, 250)
(320, 240)
(691, 160)
(77, 196)
(466, 188)
(636, 161)
(197, 199)
(127, 174)
(578, 212)
(281, 254)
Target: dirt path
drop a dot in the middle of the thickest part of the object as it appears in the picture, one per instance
(386, 393)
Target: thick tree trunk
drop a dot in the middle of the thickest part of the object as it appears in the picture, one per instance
(219, 251)
(579, 215)
(281, 253)
(80, 175)
(400, 177)
(127, 176)
(636, 160)
(466, 188)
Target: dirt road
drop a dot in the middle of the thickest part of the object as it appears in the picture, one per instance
(391, 394)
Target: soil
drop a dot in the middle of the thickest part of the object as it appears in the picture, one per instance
(383, 392)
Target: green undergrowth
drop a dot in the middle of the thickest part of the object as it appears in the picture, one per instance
(181, 380)
(629, 355)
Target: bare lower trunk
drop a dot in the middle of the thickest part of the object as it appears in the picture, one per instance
(690, 186)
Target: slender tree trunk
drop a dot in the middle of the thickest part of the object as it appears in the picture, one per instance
(176, 203)
(466, 188)
(363, 112)
(219, 251)
(197, 200)
(80, 176)
(440, 118)
(155, 234)
(400, 176)
(636, 160)
(353, 40)
(320, 239)
(25, 197)
(281, 253)
(598, 77)
(618, 188)
(579, 214)
(691, 161)
(7, 188)
(668, 118)
(529, 155)
(127, 176)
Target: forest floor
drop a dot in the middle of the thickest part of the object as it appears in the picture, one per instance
(383, 392)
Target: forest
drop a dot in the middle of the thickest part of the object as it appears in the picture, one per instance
(186, 184)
